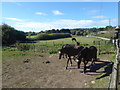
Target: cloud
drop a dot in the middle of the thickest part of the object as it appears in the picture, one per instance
(56, 12)
(62, 23)
(99, 17)
(40, 13)
(13, 19)
(66, 23)
(36, 26)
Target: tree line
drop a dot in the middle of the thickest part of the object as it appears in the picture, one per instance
(49, 31)
(77, 31)
(10, 35)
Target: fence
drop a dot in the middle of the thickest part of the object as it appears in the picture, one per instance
(115, 71)
(103, 46)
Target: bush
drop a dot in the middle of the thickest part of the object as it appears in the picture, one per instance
(10, 35)
(45, 36)
(23, 47)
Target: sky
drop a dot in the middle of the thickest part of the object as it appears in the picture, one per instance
(41, 16)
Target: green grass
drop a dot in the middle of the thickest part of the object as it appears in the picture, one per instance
(83, 40)
(31, 37)
(52, 46)
(101, 83)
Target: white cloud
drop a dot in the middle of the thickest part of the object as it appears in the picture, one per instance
(59, 24)
(40, 13)
(99, 17)
(56, 12)
(66, 23)
(36, 26)
(13, 19)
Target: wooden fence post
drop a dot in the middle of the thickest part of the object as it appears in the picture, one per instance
(99, 46)
(118, 62)
(114, 80)
(53, 43)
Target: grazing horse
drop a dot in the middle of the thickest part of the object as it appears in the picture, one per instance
(87, 54)
(74, 39)
(69, 50)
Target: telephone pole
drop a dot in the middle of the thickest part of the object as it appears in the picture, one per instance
(109, 22)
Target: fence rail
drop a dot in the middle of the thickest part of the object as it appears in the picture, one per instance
(115, 71)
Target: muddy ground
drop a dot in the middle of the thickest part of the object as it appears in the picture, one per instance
(46, 71)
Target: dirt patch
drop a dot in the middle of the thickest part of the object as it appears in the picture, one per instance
(31, 72)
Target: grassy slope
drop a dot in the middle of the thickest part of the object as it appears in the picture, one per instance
(69, 41)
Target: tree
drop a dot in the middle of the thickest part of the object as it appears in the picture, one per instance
(65, 31)
(11, 35)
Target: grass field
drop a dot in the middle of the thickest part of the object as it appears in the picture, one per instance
(52, 46)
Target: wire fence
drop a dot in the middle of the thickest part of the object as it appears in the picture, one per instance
(53, 47)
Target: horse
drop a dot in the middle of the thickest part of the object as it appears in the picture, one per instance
(70, 50)
(87, 54)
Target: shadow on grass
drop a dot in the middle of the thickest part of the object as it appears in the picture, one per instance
(103, 64)
(107, 71)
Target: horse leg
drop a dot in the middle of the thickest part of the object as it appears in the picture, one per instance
(70, 61)
(85, 63)
(66, 55)
(95, 59)
(92, 61)
(79, 62)
(63, 55)
(67, 62)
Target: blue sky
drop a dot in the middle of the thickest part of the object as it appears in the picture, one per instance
(37, 16)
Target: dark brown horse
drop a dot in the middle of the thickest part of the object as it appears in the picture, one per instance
(86, 55)
(70, 50)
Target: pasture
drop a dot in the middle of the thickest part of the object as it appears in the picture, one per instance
(39, 66)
